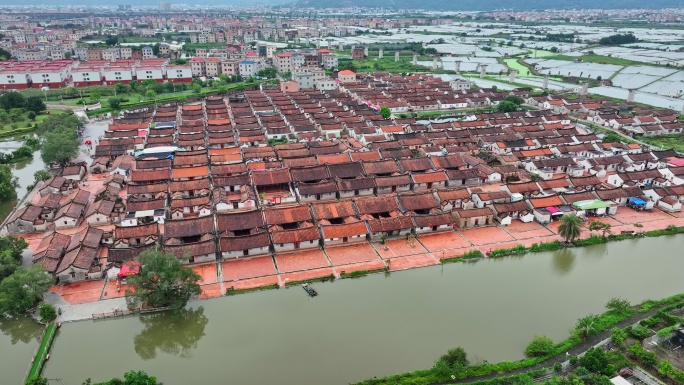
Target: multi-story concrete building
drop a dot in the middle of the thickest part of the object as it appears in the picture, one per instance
(329, 61)
(212, 66)
(230, 67)
(198, 67)
(179, 73)
(248, 68)
(283, 62)
(87, 76)
(147, 52)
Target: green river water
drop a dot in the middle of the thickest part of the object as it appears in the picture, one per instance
(356, 329)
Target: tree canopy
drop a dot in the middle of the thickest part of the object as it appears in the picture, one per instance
(60, 146)
(540, 346)
(506, 106)
(8, 184)
(455, 358)
(56, 121)
(618, 39)
(130, 378)
(10, 255)
(570, 227)
(10, 100)
(34, 104)
(385, 112)
(22, 290)
(163, 281)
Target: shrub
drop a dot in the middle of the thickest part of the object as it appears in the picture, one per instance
(618, 336)
(573, 360)
(594, 360)
(665, 368)
(557, 367)
(638, 332)
(649, 359)
(664, 332)
(592, 240)
(649, 322)
(539, 347)
(619, 306)
(456, 357)
(635, 350)
(47, 312)
(581, 371)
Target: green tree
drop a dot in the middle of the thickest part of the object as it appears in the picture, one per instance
(58, 121)
(10, 255)
(41, 175)
(570, 227)
(197, 88)
(518, 100)
(60, 146)
(114, 103)
(665, 368)
(111, 40)
(130, 378)
(150, 94)
(122, 88)
(639, 332)
(162, 281)
(539, 347)
(22, 290)
(34, 104)
(8, 184)
(12, 99)
(594, 360)
(455, 358)
(16, 115)
(31, 115)
(600, 226)
(4, 54)
(586, 326)
(618, 336)
(506, 106)
(619, 306)
(385, 112)
(47, 312)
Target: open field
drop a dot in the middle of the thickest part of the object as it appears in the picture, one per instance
(675, 142)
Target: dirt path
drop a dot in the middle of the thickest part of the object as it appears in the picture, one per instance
(574, 351)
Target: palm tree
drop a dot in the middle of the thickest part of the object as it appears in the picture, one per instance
(570, 228)
(586, 326)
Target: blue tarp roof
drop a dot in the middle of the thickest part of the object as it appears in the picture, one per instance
(637, 201)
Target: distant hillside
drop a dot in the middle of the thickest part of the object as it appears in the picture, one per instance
(488, 5)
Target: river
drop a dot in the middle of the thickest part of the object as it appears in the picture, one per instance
(24, 172)
(373, 326)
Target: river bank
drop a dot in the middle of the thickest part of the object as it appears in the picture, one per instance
(236, 276)
(492, 308)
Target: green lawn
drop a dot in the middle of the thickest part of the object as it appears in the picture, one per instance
(599, 59)
(387, 64)
(43, 350)
(675, 142)
(522, 70)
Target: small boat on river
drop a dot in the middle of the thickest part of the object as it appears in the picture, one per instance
(309, 290)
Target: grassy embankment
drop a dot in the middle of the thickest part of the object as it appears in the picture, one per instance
(42, 352)
(598, 59)
(675, 142)
(25, 125)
